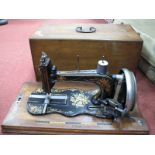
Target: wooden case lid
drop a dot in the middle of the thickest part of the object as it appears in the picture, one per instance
(109, 32)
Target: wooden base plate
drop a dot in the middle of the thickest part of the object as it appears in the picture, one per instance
(19, 121)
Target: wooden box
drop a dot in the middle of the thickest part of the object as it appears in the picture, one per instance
(120, 45)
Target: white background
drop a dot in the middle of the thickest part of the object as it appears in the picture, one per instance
(77, 9)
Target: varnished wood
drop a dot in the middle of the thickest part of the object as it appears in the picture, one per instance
(120, 45)
(19, 120)
(111, 32)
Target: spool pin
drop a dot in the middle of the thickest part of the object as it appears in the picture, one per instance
(102, 66)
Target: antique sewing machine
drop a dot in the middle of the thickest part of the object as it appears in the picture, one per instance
(111, 96)
(98, 101)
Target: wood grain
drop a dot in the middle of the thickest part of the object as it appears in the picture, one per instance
(104, 32)
(120, 45)
(19, 121)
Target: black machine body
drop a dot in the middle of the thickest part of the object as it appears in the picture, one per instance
(114, 95)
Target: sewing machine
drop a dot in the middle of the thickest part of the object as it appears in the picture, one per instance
(93, 96)
(86, 98)
(113, 97)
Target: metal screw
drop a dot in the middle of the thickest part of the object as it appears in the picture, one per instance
(140, 122)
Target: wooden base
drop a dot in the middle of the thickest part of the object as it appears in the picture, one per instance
(19, 121)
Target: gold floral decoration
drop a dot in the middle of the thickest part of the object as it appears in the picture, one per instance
(79, 100)
(35, 109)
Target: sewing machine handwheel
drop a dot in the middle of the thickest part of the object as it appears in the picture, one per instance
(129, 89)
